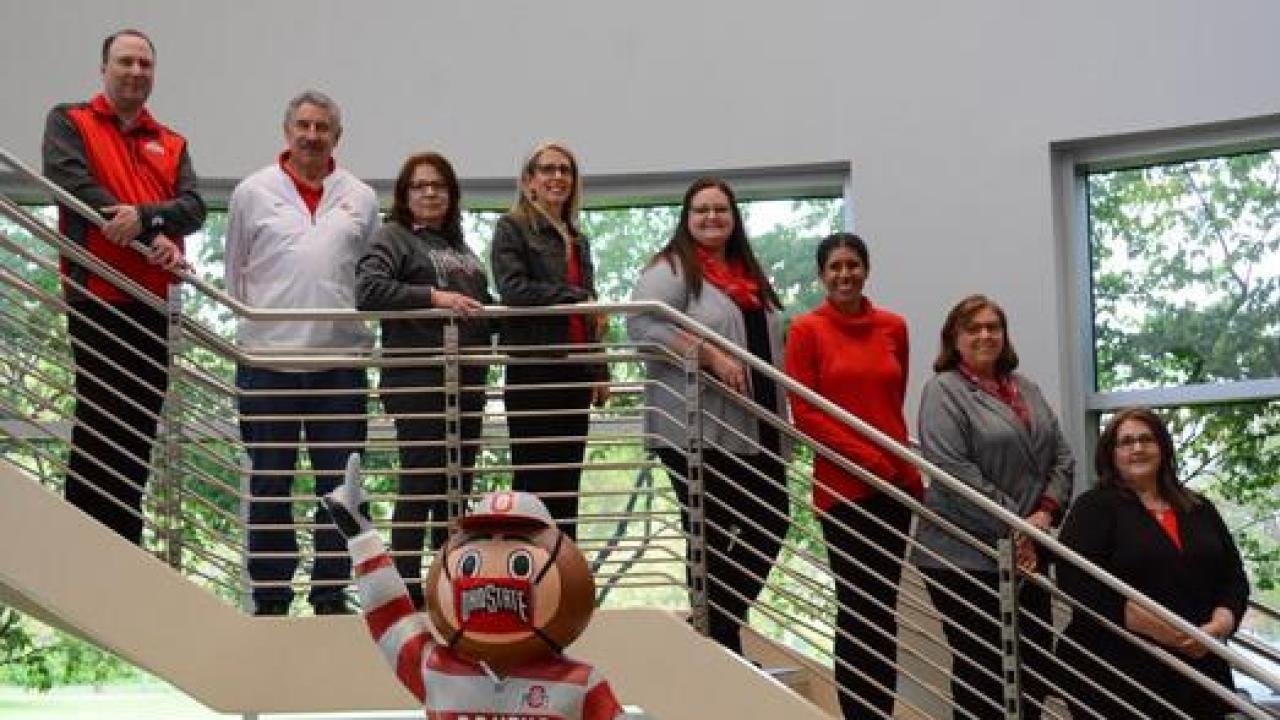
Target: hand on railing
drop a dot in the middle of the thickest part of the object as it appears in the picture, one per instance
(1028, 554)
(1144, 622)
(1221, 625)
(348, 504)
(166, 253)
(121, 224)
(728, 369)
(600, 393)
(1025, 553)
(124, 223)
(455, 301)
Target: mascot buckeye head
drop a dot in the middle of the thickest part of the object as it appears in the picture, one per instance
(509, 586)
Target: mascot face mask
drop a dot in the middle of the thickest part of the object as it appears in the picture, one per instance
(503, 585)
(510, 587)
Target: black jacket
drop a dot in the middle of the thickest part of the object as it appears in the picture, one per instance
(1111, 528)
(530, 267)
(400, 271)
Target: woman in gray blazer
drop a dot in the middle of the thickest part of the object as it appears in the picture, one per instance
(708, 271)
(989, 427)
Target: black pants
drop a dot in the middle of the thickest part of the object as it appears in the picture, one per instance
(423, 486)
(273, 446)
(557, 487)
(112, 438)
(970, 656)
(867, 580)
(731, 486)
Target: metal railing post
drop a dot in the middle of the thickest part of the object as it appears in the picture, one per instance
(171, 416)
(699, 603)
(1011, 667)
(246, 581)
(453, 423)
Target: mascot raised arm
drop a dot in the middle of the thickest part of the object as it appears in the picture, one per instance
(505, 595)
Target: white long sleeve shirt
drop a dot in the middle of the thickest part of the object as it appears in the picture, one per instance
(279, 256)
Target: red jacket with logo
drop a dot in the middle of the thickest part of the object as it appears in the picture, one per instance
(89, 154)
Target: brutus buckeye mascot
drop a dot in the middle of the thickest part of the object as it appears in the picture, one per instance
(506, 594)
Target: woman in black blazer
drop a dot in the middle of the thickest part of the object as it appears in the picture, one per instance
(1167, 542)
(541, 257)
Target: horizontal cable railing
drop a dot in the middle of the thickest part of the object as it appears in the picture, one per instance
(702, 537)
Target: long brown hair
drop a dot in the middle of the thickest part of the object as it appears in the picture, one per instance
(681, 248)
(1167, 485)
(961, 314)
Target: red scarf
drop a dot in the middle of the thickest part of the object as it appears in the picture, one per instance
(1004, 389)
(731, 278)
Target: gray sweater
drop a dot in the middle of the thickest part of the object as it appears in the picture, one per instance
(979, 440)
(664, 392)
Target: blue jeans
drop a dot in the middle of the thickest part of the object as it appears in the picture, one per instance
(329, 442)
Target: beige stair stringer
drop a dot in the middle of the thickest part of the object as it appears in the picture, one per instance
(65, 569)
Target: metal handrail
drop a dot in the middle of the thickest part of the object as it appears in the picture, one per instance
(1257, 646)
(1264, 609)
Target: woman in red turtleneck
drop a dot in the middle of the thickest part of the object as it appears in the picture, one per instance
(855, 354)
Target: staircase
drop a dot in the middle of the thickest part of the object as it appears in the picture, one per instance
(76, 575)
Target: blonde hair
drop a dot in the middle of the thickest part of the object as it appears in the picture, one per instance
(526, 210)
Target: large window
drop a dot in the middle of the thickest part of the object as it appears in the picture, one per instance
(1186, 272)
(1184, 307)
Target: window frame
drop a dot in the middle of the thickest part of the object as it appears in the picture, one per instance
(1072, 161)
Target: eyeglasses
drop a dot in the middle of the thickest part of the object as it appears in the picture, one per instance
(710, 210)
(550, 169)
(1130, 442)
(439, 186)
(991, 328)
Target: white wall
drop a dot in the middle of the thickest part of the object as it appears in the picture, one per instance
(944, 109)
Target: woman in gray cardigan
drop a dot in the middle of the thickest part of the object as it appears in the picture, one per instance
(990, 428)
(708, 271)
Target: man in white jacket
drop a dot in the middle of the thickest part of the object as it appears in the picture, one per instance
(295, 231)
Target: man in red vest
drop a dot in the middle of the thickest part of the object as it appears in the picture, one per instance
(112, 154)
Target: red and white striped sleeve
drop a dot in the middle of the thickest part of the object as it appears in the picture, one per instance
(600, 702)
(398, 629)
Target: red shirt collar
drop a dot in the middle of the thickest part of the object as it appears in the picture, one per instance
(297, 179)
(102, 106)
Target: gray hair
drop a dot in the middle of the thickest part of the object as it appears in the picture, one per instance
(320, 100)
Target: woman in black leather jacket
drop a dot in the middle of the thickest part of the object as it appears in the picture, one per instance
(540, 257)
